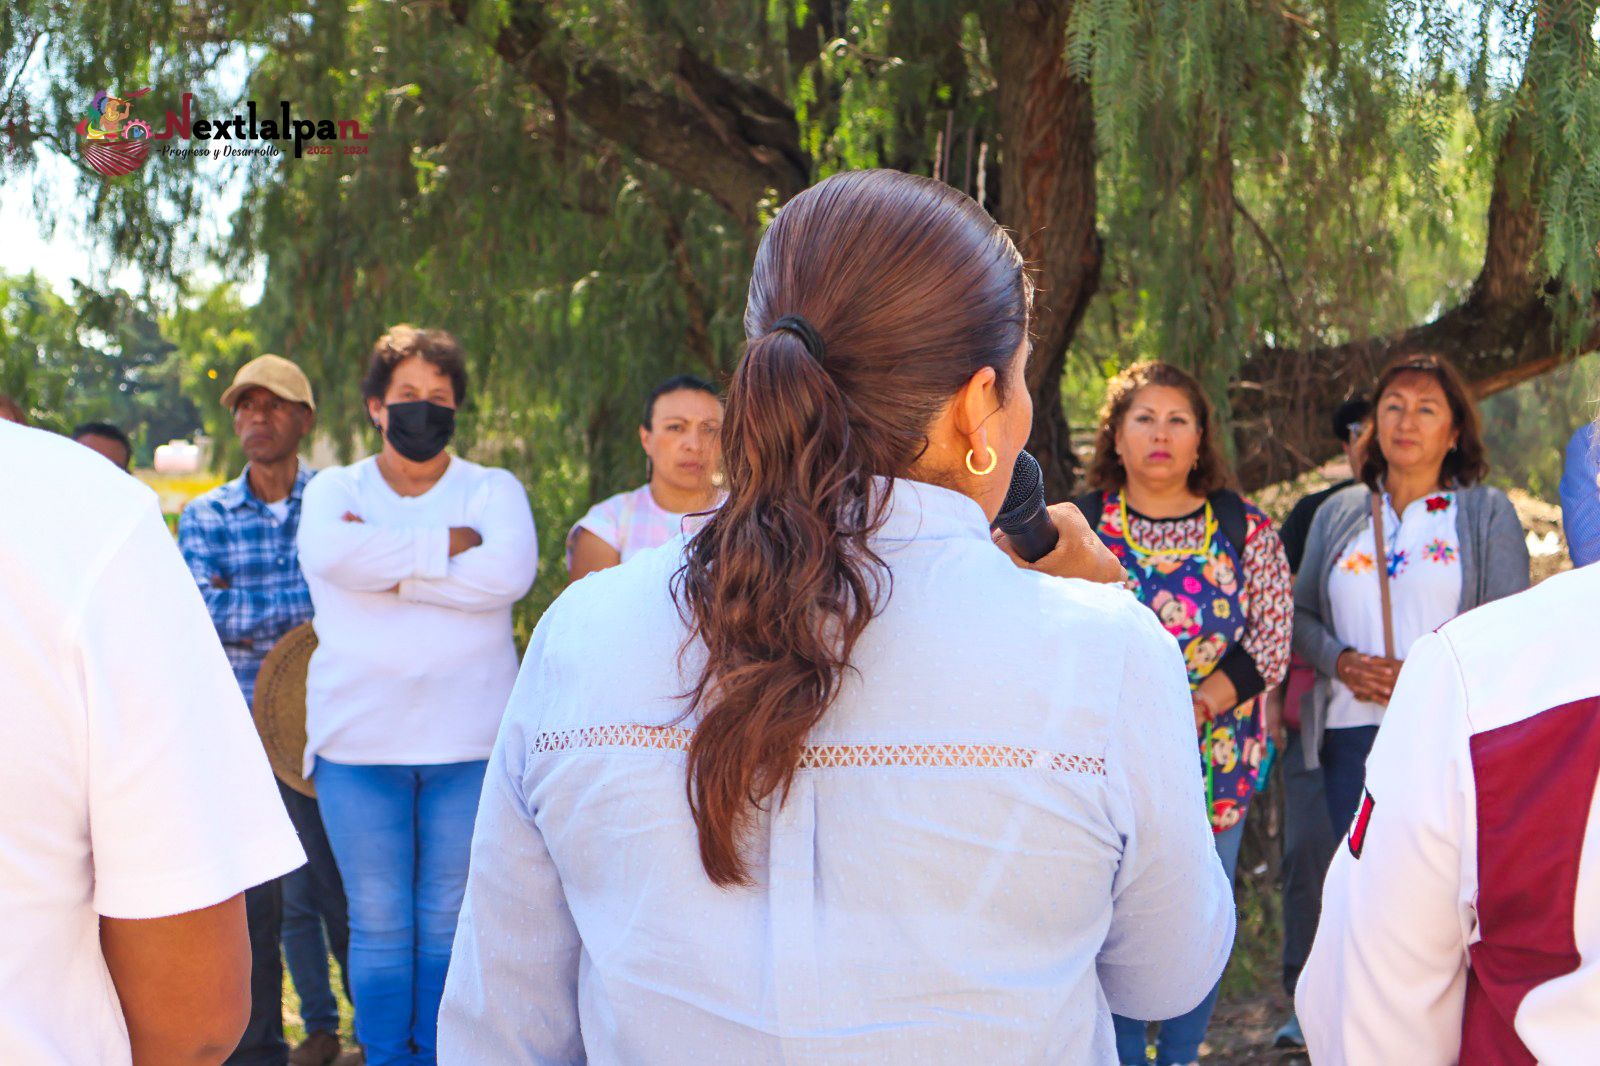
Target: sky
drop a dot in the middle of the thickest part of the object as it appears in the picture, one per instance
(66, 255)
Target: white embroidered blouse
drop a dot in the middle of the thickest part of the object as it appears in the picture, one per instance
(1424, 559)
(996, 836)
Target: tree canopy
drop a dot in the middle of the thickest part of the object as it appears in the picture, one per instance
(1278, 196)
(106, 351)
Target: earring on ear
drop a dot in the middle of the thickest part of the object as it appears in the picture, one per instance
(993, 460)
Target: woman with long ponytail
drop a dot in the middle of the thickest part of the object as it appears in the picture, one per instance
(844, 781)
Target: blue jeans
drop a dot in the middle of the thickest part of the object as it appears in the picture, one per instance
(1178, 1039)
(402, 836)
(314, 918)
(1344, 771)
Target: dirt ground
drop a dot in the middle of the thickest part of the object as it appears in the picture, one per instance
(1242, 1030)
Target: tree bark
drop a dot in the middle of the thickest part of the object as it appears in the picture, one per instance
(1047, 199)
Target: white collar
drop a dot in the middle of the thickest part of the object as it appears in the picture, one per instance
(919, 510)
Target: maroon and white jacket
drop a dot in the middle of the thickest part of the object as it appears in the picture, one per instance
(1461, 920)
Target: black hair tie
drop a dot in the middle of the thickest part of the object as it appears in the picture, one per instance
(805, 331)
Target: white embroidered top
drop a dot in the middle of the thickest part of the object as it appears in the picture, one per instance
(1424, 559)
(995, 838)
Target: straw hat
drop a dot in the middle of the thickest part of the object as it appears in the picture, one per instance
(280, 710)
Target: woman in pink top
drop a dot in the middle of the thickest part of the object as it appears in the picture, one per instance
(679, 434)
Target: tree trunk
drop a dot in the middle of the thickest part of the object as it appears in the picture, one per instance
(1047, 199)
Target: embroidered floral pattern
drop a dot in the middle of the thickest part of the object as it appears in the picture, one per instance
(1439, 551)
(1438, 503)
(1358, 563)
(816, 756)
(1398, 561)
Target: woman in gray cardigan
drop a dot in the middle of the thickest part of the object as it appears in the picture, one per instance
(1450, 544)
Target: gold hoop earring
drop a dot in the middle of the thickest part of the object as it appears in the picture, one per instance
(993, 459)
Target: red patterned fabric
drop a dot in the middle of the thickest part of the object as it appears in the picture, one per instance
(814, 756)
(1269, 599)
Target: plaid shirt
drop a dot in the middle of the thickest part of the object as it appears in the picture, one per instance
(229, 533)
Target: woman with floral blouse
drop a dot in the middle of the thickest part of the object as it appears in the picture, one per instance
(1211, 567)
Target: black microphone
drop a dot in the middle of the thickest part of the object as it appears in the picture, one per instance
(1022, 516)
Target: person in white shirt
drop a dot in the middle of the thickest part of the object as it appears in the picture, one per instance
(139, 804)
(841, 783)
(680, 435)
(414, 559)
(1461, 919)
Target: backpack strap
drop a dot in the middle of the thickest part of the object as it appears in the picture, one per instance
(1092, 504)
(1228, 506)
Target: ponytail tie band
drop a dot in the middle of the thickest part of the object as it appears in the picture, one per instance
(805, 331)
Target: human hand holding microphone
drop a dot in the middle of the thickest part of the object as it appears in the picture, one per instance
(1052, 540)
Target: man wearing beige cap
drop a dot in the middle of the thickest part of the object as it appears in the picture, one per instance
(239, 542)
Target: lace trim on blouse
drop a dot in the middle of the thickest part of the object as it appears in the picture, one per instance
(817, 756)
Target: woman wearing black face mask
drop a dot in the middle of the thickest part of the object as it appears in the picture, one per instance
(414, 558)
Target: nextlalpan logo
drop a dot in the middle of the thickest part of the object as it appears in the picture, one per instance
(115, 144)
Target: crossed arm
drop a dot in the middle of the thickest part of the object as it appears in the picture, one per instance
(240, 615)
(465, 569)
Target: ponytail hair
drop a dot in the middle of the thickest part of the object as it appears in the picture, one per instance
(875, 296)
